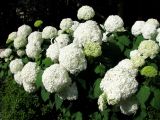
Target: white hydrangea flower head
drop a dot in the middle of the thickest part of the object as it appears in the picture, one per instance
(85, 13)
(17, 78)
(137, 28)
(33, 50)
(153, 22)
(62, 40)
(75, 25)
(88, 31)
(129, 106)
(35, 36)
(102, 101)
(126, 64)
(69, 93)
(66, 23)
(72, 58)
(28, 87)
(149, 31)
(16, 65)
(20, 42)
(53, 52)
(148, 48)
(24, 30)
(113, 23)
(20, 53)
(11, 37)
(55, 78)
(49, 32)
(135, 53)
(29, 72)
(6, 53)
(137, 59)
(119, 84)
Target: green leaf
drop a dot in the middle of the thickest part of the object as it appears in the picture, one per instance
(58, 102)
(127, 53)
(25, 60)
(105, 114)
(141, 116)
(155, 102)
(138, 40)
(121, 46)
(96, 88)
(45, 95)
(143, 95)
(124, 40)
(100, 69)
(78, 116)
(1, 74)
(47, 62)
(39, 79)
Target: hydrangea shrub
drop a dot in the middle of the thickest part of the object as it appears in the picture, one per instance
(88, 70)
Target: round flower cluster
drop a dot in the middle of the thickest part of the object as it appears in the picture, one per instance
(16, 65)
(49, 32)
(29, 72)
(119, 82)
(148, 48)
(62, 40)
(92, 49)
(53, 52)
(33, 48)
(149, 71)
(6, 53)
(72, 58)
(66, 24)
(88, 31)
(85, 13)
(28, 87)
(38, 23)
(26, 75)
(35, 37)
(113, 23)
(24, 30)
(17, 78)
(11, 37)
(153, 22)
(149, 31)
(55, 78)
(137, 28)
(20, 42)
(137, 59)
